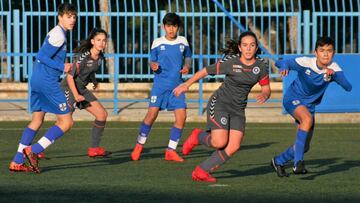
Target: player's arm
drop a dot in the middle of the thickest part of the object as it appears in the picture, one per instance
(185, 86)
(339, 78)
(71, 83)
(287, 64)
(94, 81)
(264, 82)
(48, 50)
(187, 60)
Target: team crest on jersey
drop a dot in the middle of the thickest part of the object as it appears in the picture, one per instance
(153, 99)
(327, 77)
(162, 47)
(182, 48)
(295, 102)
(308, 72)
(62, 107)
(256, 70)
(223, 120)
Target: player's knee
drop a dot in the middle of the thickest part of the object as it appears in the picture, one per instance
(306, 123)
(218, 144)
(102, 116)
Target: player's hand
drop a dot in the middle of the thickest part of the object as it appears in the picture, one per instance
(67, 67)
(261, 98)
(329, 71)
(79, 98)
(185, 70)
(284, 72)
(96, 86)
(154, 66)
(180, 89)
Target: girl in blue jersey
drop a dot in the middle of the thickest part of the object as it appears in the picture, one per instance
(226, 107)
(46, 94)
(88, 59)
(300, 99)
(168, 54)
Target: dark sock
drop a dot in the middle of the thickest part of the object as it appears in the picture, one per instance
(216, 159)
(205, 139)
(97, 132)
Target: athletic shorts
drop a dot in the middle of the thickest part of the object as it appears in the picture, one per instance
(165, 99)
(220, 119)
(48, 98)
(290, 104)
(89, 97)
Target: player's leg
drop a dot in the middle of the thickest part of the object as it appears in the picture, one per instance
(144, 131)
(175, 135)
(27, 137)
(100, 114)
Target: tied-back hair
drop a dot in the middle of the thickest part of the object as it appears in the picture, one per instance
(85, 45)
(232, 46)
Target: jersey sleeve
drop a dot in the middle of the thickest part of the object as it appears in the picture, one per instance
(48, 50)
(223, 66)
(154, 52)
(339, 78)
(291, 64)
(264, 75)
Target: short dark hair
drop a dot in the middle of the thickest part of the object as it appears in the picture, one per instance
(325, 40)
(172, 19)
(67, 8)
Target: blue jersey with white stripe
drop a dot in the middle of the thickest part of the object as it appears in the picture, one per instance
(311, 82)
(170, 56)
(50, 59)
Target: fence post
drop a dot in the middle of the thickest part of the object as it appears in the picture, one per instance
(116, 82)
(162, 15)
(16, 40)
(201, 96)
(307, 32)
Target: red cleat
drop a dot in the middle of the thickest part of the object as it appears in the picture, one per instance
(135, 154)
(32, 158)
(171, 155)
(200, 174)
(191, 141)
(98, 152)
(41, 155)
(14, 167)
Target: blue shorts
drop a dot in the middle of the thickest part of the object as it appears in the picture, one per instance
(290, 104)
(48, 98)
(165, 99)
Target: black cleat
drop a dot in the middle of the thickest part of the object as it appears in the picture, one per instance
(299, 168)
(280, 170)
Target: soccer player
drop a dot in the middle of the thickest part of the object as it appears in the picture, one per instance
(304, 93)
(170, 57)
(46, 94)
(226, 107)
(90, 56)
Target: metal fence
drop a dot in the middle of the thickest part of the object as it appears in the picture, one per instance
(282, 26)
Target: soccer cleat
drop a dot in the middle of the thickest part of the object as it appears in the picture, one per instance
(299, 168)
(41, 155)
(200, 174)
(171, 155)
(135, 154)
(98, 152)
(191, 141)
(280, 170)
(32, 158)
(14, 167)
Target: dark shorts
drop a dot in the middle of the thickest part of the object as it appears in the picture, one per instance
(89, 97)
(220, 119)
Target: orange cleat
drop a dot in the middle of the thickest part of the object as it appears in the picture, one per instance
(32, 158)
(171, 155)
(98, 152)
(41, 155)
(135, 154)
(191, 141)
(200, 174)
(14, 167)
